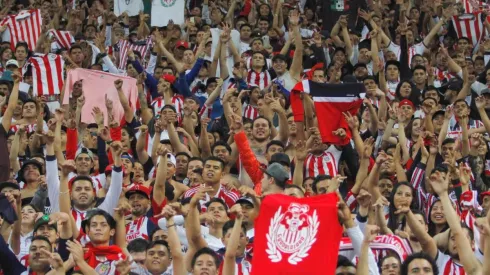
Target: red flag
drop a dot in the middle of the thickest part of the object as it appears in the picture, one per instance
(294, 236)
(331, 100)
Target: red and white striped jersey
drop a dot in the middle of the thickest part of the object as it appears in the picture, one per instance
(79, 216)
(391, 85)
(228, 196)
(455, 131)
(447, 266)
(24, 26)
(261, 79)
(47, 74)
(63, 39)
(177, 100)
(412, 50)
(125, 46)
(250, 112)
(242, 267)
(324, 164)
(441, 75)
(469, 26)
(140, 228)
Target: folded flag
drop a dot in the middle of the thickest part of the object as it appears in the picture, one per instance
(331, 100)
(293, 235)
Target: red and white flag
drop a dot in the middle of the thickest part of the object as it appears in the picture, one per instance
(294, 235)
(63, 39)
(331, 99)
(24, 26)
(125, 46)
(47, 74)
(470, 26)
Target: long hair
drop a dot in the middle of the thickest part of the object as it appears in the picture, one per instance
(393, 220)
(431, 225)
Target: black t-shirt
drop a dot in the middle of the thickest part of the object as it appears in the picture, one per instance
(4, 159)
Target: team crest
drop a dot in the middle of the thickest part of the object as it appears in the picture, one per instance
(168, 3)
(292, 232)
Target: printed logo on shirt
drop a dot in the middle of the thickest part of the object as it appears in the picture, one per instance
(339, 5)
(168, 3)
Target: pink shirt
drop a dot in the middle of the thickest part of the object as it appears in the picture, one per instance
(96, 85)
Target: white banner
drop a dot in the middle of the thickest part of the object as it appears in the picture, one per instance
(164, 10)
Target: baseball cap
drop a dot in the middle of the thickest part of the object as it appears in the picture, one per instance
(406, 102)
(6, 184)
(247, 200)
(359, 65)
(277, 171)
(42, 221)
(84, 151)
(485, 91)
(169, 78)
(280, 158)
(28, 162)
(138, 188)
(454, 84)
(182, 43)
(483, 194)
(12, 62)
(439, 112)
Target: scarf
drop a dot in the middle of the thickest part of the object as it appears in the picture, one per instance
(112, 253)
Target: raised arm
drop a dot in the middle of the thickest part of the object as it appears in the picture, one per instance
(161, 177)
(233, 241)
(14, 97)
(297, 64)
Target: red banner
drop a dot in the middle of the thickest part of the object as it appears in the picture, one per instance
(293, 236)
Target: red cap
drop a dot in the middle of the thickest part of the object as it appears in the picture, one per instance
(138, 188)
(169, 78)
(182, 43)
(487, 193)
(406, 102)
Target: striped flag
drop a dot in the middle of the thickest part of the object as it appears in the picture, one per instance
(24, 26)
(125, 46)
(63, 39)
(469, 25)
(47, 74)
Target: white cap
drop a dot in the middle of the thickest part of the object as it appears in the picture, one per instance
(12, 62)
(170, 158)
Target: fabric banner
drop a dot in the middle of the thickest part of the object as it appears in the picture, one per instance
(164, 10)
(331, 100)
(292, 235)
(131, 7)
(96, 85)
(381, 244)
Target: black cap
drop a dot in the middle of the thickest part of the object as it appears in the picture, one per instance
(9, 184)
(28, 162)
(455, 84)
(359, 65)
(42, 221)
(246, 200)
(439, 112)
(280, 158)
(393, 62)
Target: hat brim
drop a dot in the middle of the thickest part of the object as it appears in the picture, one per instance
(132, 192)
(239, 201)
(6, 184)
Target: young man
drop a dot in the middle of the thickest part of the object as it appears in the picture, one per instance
(212, 175)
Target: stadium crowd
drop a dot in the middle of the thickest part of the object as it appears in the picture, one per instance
(172, 183)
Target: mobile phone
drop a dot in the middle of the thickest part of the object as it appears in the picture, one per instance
(267, 41)
(192, 20)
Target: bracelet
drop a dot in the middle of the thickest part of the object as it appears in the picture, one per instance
(168, 226)
(61, 193)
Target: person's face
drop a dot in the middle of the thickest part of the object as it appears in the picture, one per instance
(392, 72)
(258, 60)
(90, 33)
(249, 213)
(191, 104)
(319, 76)
(20, 53)
(324, 186)
(222, 153)
(7, 54)
(419, 76)
(82, 194)
(441, 60)
(370, 84)
(437, 214)
(407, 110)
(280, 66)
(37, 259)
(48, 232)
(452, 246)
(157, 259)
(99, 230)
(138, 171)
(360, 72)
(385, 187)
(292, 126)
(261, 129)
(212, 171)
(263, 26)
(447, 149)
(479, 66)
(420, 267)
(345, 270)
(132, 71)
(245, 32)
(403, 197)
(205, 264)
(188, 56)
(416, 128)
(410, 38)
(363, 56)
(31, 173)
(460, 108)
(77, 55)
(463, 45)
(293, 192)
(28, 213)
(389, 55)
(158, 73)
(218, 211)
(388, 166)
(182, 163)
(194, 164)
(272, 150)
(83, 163)
(390, 266)
(432, 94)
(159, 235)
(29, 110)
(417, 61)
(139, 204)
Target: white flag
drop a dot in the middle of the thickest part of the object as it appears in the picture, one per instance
(164, 10)
(132, 7)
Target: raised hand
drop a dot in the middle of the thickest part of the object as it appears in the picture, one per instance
(118, 84)
(237, 211)
(116, 148)
(67, 167)
(301, 152)
(439, 183)
(352, 121)
(368, 148)
(98, 116)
